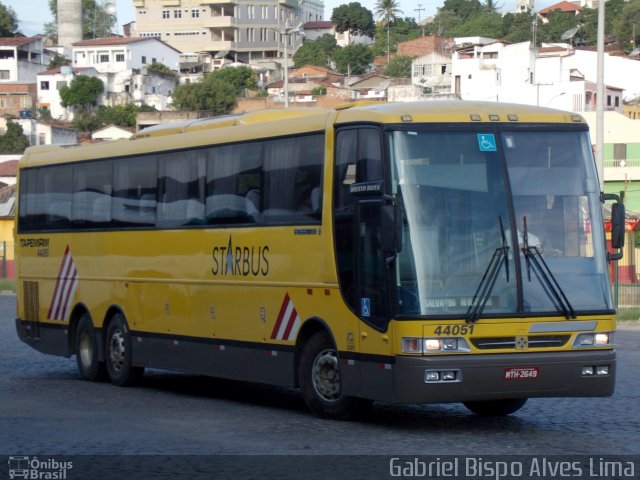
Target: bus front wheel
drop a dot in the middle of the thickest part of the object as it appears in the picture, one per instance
(319, 379)
(118, 354)
(89, 366)
(496, 408)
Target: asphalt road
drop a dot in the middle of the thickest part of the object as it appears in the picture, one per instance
(47, 411)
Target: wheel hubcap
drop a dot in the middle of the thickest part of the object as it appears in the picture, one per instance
(116, 350)
(326, 375)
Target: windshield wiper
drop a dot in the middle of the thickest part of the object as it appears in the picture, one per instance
(534, 258)
(488, 281)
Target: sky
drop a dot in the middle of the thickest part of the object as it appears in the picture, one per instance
(33, 14)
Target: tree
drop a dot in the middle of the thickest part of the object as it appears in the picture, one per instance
(96, 22)
(58, 61)
(388, 10)
(516, 27)
(402, 29)
(14, 140)
(240, 78)
(315, 52)
(157, 67)
(210, 94)
(482, 24)
(353, 18)
(356, 57)
(120, 115)
(399, 66)
(624, 27)
(8, 22)
(463, 9)
(82, 92)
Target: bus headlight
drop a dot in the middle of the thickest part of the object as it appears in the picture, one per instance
(592, 340)
(418, 345)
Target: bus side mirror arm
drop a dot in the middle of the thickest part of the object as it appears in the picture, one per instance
(617, 225)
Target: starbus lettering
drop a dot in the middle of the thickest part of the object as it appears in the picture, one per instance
(239, 260)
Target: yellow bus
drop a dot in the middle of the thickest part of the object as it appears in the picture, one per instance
(412, 253)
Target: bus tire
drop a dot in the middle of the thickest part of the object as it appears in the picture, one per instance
(496, 408)
(118, 354)
(319, 379)
(89, 365)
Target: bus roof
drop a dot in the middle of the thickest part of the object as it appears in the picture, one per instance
(455, 111)
(276, 122)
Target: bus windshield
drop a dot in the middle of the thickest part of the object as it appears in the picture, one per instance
(501, 218)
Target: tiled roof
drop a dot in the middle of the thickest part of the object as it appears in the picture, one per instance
(562, 6)
(55, 71)
(9, 168)
(17, 41)
(111, 41)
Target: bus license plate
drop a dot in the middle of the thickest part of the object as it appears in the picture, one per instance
(521, 373)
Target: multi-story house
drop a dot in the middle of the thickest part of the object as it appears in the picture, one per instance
(20, 60)
(49, 84)
(242, 31)
(114, 54)
(556, 76)
(122, 65)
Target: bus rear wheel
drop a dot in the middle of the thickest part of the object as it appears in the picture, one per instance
(118, 354)
(89, 366)
(319, 379)
(496, 408)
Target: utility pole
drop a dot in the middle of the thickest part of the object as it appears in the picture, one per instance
(420, 9)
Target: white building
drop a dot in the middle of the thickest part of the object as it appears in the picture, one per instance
(21, 58)
(553, 75)
(111, 132)
(40, 133)
(123, 64)
(316, 29)
(115, 54)
(49, 84)
(432, 72)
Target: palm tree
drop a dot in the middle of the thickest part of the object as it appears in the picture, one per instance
(387, 10)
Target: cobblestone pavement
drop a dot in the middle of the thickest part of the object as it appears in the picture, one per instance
(46, 409)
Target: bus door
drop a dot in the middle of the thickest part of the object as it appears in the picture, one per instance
(358, 214)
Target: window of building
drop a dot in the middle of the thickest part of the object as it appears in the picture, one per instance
(177, 13)
(608, 100)
(44, 85)
(143, 60)
(4, 75)
(119, 57)
(195, 13)
(617, 101)
(61, 84)
(42, 139)
(26, 102)
(103, 58)
(165, 13)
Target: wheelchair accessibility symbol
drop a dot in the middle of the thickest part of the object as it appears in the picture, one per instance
(487, 142)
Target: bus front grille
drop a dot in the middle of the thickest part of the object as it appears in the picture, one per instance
(539, 341)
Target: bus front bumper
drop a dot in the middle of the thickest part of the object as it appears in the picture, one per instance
(494, 376)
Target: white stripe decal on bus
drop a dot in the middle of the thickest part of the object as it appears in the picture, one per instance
(65, 288)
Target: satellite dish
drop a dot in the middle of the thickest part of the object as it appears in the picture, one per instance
(569, 33)
(110, 8)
